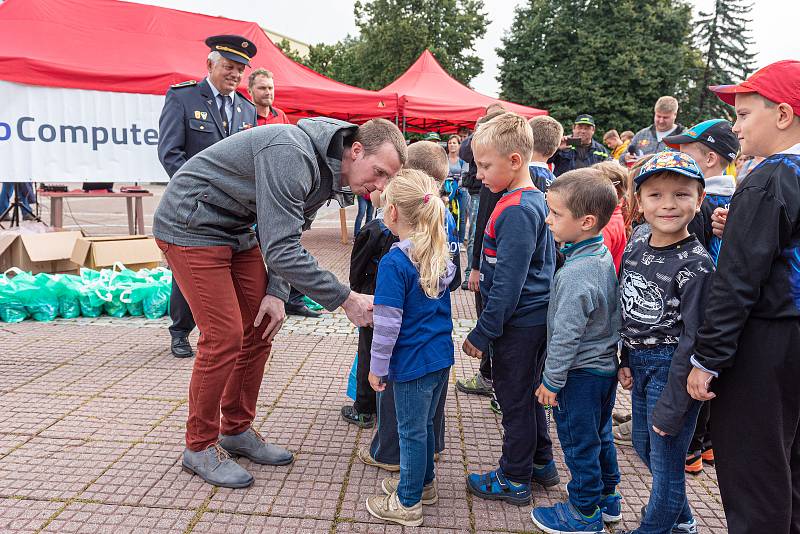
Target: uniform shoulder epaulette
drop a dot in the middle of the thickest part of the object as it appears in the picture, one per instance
(187, 83)
(238, 92)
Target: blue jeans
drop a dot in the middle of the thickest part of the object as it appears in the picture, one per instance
(415, 403)
(364, 208)
(665, 457)
(463, 213)
(474, 202)
(583, 420)
(25, 196)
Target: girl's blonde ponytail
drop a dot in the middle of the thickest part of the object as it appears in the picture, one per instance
(416, 197)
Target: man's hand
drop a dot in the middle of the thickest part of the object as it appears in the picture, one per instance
(630, 158)
(625, 377)
(659, 432)
(474, 281)
(697, 385)
(718, 220)
(471, 350)
(545, 396)
(563, 145)
(358, 308)
(375, 382)
(273, 309)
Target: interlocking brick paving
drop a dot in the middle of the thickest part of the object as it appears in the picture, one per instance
(92, 415)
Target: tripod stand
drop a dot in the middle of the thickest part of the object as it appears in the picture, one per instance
(17, 209)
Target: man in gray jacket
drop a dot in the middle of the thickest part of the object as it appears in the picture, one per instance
(277, 177)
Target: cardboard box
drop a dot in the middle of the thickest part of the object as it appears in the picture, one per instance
(135, 251)
(39, 253)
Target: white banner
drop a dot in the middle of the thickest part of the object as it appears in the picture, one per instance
(50, 134)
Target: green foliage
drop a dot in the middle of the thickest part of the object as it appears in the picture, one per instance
(723, 36)
(286, 47)
(610, 58)
(393, 33)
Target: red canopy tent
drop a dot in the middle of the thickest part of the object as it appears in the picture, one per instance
(108, 45)
(430, 100)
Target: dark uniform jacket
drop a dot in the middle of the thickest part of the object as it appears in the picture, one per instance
(577, 158)
(190, 122)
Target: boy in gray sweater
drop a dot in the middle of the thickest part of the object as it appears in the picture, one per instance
(579, 378)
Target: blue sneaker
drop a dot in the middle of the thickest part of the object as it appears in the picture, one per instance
(495, 487)
(611, 506)
(546, 475)
(690, 527)
(563, 518)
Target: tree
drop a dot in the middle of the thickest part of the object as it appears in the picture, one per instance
(286, 47)
(393, 33)
(723, 35)
(610, 58)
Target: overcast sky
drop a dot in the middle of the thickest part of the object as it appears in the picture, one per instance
(314, 21)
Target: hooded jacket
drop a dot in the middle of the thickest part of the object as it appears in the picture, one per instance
(276, 176)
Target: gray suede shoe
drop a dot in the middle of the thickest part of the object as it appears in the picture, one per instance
(215, 467)
(252, 446)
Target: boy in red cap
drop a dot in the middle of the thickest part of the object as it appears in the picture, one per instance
(750, 341)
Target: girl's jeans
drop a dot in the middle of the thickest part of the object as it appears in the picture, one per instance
(665, 456)
(415, 403)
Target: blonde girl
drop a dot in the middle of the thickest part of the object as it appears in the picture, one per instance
(412, 346)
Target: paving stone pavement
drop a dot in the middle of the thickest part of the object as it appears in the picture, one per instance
(92, 416)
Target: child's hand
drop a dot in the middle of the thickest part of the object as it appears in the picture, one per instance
(659, 432)
(471, 350)
(474, 281)
(718, 220)
(375, 382)
(625, 377)
(545, 396)
(697, 385)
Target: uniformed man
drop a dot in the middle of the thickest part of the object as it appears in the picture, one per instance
(580, 150)
(195, 116)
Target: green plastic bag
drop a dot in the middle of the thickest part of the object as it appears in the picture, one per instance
(155, 302)
(67, 288)
(94, 292)
(12, 310)
(40, 298)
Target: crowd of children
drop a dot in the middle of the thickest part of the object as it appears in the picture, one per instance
(598, 278)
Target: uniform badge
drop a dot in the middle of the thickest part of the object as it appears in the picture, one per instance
(245, 44)
(238, 109)
(204, 115)
(196, 114)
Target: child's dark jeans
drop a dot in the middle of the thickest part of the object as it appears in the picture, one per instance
(515, 358)
(415, 402)
(583, 419)
(665, 456)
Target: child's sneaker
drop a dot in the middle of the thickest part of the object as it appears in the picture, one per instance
(690, 527)
(563, 518)
(611, 507)
(365, 456)
(361, 420)
(708, 456)
(495, 487)
(389, 508)
(477, 385)
(429, 493)
(694, 463)
(495, 407)
(546, 475)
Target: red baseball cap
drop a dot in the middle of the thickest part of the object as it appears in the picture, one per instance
(778, 82)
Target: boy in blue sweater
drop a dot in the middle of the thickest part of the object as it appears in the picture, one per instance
(516, 271)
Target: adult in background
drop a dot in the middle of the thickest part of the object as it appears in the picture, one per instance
(457, 167)
(261, 86)
(651, 139)
(615, 143)
(277, 176)
(580, 150)
(195, 116)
